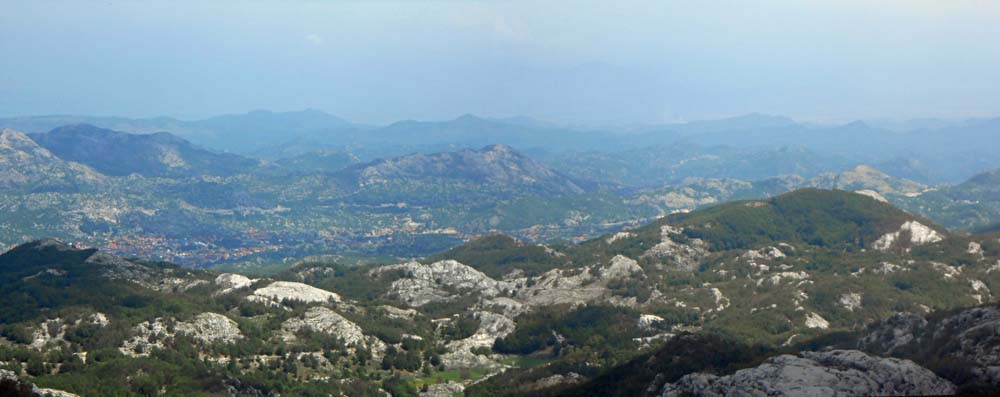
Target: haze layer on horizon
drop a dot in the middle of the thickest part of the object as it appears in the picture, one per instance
(580, 62)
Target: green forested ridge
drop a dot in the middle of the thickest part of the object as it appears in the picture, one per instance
(832, 218)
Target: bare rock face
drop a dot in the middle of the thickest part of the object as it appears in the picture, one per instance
(491, 327)
(229, 282)
(147, 336)
(53, 331)
(892, 333)
(324, 320)
(873, 194)
(211, 328)
(683, 256)
(833, 373)
(279, 291)
(648, 321)
(47, 332)
(12, 382)
(814, 320)
(977, 333)
(620, 267)
(970, 336)
(447, 389)
(439, 281)
(919, 233)
(25, 163)
(206, 328)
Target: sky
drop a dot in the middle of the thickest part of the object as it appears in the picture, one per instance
(565, 61)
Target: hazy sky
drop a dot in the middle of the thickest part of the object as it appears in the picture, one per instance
(577, 61)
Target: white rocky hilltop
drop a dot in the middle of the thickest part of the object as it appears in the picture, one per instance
(206, 328)
(279, 291)
(324, 320)
(229, 282)
(429, 283)
(919, 234)
(211, 328)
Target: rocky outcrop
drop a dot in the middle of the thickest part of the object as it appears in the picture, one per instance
(206, 328)
(970, 337)
(619, 236)
(158, 279)
(440, 281)
(683, 256)
(26, 165)
(229, 282)
(211, 328)
(873, 194)
(323, 320)
(563, 286)
(620, 267)
(447, 389)
(919, 234)
(814, 320)
(833, 373)
(279, 291)
(491, 327)
(850, 301)
(11, 384)
(146, 337)
(648, 321)
(53, 331)
(891, 334)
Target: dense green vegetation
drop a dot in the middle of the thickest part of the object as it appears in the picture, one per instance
(496, 255)
(677, 357)
(826, 218)
(57, 289)
(598, 331)
(763, 267)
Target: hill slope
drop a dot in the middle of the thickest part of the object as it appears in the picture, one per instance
(29, 167)
(816, 263)
(817, 217)
(493, 173)
(973, 204)
(157, 155)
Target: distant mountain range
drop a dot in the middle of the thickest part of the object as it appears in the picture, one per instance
(243, 133)
(928, 153)
(118, 189)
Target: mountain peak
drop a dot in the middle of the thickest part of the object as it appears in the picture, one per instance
(857, 124)
(16, 140)
(816, 216)
(119, 153)
(986, 178)
(498, 165)
(469, 117)
(866, 169)
(501, 149)
(46, 243)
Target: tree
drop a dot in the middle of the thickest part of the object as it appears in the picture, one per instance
(35, 366)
